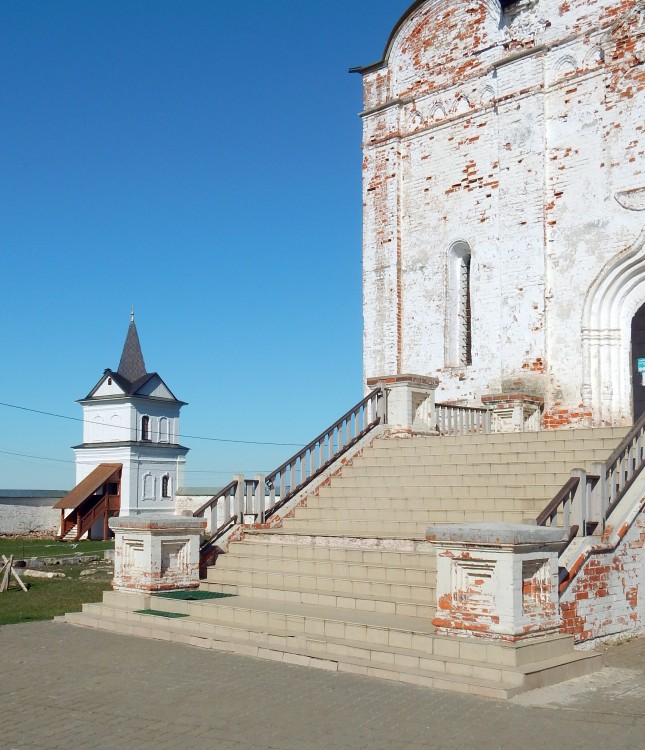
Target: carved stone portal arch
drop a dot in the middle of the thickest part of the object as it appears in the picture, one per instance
(611, 303)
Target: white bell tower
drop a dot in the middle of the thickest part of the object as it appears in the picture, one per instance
(131, 418)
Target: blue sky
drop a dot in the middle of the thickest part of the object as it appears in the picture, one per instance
(200, 161)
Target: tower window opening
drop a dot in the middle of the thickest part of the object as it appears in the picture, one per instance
(165, 481)
(145, 428)
(465, 318)
(458, 319)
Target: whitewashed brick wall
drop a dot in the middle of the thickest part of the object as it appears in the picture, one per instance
(517, 136)
(606, 596)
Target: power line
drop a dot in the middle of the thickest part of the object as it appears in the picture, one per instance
(123, 427)
(186, 471)
(42, 458)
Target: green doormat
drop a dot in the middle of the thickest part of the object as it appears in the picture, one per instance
(191, 596)
(158, 613)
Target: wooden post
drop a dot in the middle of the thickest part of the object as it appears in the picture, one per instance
(7, 570)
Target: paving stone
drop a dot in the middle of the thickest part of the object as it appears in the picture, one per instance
(64, 687)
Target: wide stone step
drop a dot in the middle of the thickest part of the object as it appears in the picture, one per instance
(403, 514)
(361, 550)
(355, 571)
(393, 505)
(373, 596)
(328, 598)
(489, 458)
(342, 527)
(375, 514)
(478, 492)
(560, 438)
(494, 670)
(432, 481)
(411, 529)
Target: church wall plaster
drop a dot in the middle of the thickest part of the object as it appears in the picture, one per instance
(521, 135)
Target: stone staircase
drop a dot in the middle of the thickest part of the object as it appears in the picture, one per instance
(348, 581)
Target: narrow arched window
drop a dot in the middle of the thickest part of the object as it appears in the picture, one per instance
(465, 316)
(458, 307)
(145, 428)
(163, 430)
(165, 486)
(148, 487)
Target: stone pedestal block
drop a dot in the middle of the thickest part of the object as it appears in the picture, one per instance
(410, 402)
(498, 581)
(514, 412)
(156, 553)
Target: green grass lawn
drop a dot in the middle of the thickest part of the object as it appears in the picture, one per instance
(47, 598)
(24, 548)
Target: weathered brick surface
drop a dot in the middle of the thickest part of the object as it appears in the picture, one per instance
(521, 136)
(607, 594)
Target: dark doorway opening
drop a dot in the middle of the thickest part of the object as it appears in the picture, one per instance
(638, 353)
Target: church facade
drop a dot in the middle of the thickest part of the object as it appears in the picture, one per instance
(504, 204)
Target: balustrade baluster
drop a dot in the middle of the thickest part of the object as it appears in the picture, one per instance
(239, 498)
(260, 497)
(566, 510)
(600, 495)
(579, 503)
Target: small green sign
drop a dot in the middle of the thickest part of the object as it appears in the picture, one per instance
(641, 364)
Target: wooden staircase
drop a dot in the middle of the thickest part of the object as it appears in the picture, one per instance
(348, 581)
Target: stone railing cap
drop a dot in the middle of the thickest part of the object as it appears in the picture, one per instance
(495, 397)
(156, 521)
(496, 533)
(426, 380)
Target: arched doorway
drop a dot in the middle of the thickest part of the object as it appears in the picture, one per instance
(638, 362)
(612, 305)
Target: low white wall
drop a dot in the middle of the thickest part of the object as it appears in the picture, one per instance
(27, 519)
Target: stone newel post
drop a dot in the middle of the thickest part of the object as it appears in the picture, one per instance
(410, 402)
(156, 553)
(497, 581)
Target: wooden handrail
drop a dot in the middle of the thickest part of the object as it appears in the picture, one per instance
(481, 409)
(626, 442)
(601, 493)
(315, 448)
(229, 489)
(570, 486)
(375, 394)
(85, 522)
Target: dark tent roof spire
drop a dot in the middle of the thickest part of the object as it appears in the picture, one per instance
(132, 367)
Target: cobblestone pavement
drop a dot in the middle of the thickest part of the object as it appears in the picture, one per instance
(68, 688)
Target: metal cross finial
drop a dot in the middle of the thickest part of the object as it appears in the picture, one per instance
(132, 315)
